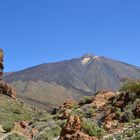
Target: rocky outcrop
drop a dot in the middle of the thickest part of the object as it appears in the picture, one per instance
(66, 109)
(22, 128)
(67, 105)
(72, 130)
(122, 100)
(6, 89)
(102, 97)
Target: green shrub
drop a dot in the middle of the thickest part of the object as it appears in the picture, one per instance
(85, 100)
(56, 130)
(129, 133)
(91, 129)
(78, 112)
(127, 116)
(17, 109)
(44, 135)
(40, 125)
(46, 118)
(15, 136)
(131, 87)
(118, 113)
(47, 130)
(137, 121)
(61, 123)
(89, 112)
(8, 126)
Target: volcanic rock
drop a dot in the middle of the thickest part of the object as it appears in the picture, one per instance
(72, 131)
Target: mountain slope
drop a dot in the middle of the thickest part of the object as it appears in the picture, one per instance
(70, 79)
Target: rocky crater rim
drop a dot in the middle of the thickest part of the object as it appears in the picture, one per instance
(88, 57)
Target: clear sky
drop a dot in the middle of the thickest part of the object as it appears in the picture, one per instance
(41, 31)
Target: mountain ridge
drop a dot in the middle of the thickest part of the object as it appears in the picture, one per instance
(72, 78)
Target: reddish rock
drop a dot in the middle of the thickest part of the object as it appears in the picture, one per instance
(68, 104)
(6, 89)
(102, 97)
(66, 109)
(137, 110)
(34, 131)
(72, 131)
(24, 124)
(123, 99)
(66, 114)
(21, 128)
(77, 136)
(119, 104)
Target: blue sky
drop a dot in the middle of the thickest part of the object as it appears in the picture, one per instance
(41, 31)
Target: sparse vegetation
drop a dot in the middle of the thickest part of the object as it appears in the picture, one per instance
(15, 136)
(48, 133)
(131, 87)
(8, 126)
(130, 133)
(14, 111)
(91, 129)
(124, 107)
(127, 116)
(85, 100)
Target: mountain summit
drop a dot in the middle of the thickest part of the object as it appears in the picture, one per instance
(87, 55)
(85, 59)
(51, 84)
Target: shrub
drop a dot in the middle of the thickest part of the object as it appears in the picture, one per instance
(46, 118)
(8, 126)
(46, 134)
(137, 121)
(17, 109)
(56, 130)
(91, 129)
(118, 113)
(61, 123)
(15, 136)
(85, 100)
(129, 133)
(127, 116)
(131, 87)
(89, 112)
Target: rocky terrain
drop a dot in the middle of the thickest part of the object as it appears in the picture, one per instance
(105, 116)
(48, 85)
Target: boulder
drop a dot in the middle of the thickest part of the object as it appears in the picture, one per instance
(6, 89)
(72, 130)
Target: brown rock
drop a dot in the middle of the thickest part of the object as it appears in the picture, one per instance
(6, 89)
(72, 131)
(68, 104)
(119, 104)
(21, 128)
(78, 136)
(110, 125)
(24, 124)
(137, 110)
(102, 97)
(66, 114)
(34, 131)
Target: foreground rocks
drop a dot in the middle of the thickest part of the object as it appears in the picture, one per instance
(102, 97)
(6, 89)
(72, 130)
(67, 108)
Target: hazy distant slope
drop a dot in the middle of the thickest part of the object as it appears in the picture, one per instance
(77, 77)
